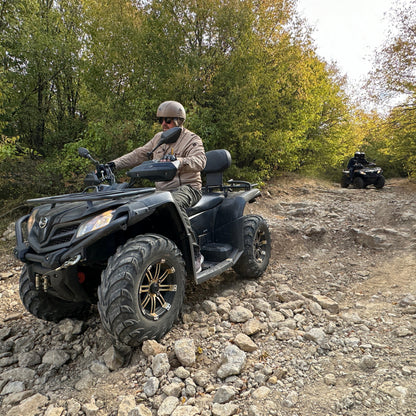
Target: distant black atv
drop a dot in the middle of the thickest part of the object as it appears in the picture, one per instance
(363, 176)
(126, 248)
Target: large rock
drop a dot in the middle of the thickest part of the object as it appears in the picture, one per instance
(232, 361)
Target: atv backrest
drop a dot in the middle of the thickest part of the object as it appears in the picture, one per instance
(217, 162)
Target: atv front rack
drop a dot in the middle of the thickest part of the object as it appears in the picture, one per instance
(89, 197)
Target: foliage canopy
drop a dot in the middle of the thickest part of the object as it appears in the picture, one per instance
(394, 75)
(92, 73)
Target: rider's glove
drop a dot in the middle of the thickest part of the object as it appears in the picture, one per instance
(168, 158)
(111, 165)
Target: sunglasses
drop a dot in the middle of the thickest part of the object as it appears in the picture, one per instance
(167, 120)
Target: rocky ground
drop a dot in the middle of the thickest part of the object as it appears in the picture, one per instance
(329, 329)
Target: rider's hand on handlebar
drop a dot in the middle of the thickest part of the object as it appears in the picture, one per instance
(168, 158)
(111, 166)
(102, 169)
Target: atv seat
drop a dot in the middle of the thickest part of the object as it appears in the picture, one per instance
(217, 162)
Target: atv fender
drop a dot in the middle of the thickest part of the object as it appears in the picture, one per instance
(159, 214)
(21, 248)
(229, 221)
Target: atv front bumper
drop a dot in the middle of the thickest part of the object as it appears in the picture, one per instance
(62, 283)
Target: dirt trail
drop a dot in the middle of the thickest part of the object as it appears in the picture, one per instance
(354, 247)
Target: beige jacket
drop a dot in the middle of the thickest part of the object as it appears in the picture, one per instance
(188, 149)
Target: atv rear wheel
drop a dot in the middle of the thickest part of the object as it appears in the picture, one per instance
(142, 289)
(257, 247)
(380, 182)
(45, 306)
(358, 183)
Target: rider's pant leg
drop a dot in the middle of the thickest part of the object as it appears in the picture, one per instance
(186, 196)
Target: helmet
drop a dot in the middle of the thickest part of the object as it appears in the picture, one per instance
(171, 109)
(359, 155)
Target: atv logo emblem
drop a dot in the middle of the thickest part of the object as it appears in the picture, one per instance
(43, 222)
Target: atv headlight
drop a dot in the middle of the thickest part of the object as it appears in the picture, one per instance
(31, 220)
(94, 224)
(362, 172)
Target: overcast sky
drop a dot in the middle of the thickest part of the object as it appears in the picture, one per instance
(348, 31)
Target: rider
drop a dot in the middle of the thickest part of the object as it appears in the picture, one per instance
(188, 150)
(358, 159)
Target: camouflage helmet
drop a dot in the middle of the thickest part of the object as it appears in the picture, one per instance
(171, 109)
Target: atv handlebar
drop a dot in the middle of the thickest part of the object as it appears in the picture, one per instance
(103, 172)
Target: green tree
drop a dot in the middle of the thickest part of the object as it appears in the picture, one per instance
(400, 133)
(118, 97)
(395, 75)
(245, 71)
(268, 98)
(41, 40)
(91, 73)
(395, 62)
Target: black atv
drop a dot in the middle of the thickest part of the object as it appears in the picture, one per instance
(126, 249)
(363, 176)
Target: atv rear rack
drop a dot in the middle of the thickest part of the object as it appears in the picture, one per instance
(230, 186)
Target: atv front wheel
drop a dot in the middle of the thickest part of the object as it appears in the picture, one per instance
(344, 182)
(257, 247)
(358, 183)
(45, 306)
(380, 182)
(142, 289)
